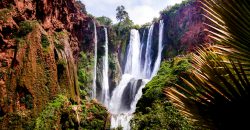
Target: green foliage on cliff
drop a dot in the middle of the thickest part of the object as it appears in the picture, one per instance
(161, 116)
(94, 116)
(4, 14)
(26, 27)
(62, 114)
(103, 20)
(85, 68)
(153, 110)
(167, 76)
(47, 119)
(45, 41)
(171, 10)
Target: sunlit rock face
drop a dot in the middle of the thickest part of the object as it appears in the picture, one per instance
(184, 29)
(38, 65)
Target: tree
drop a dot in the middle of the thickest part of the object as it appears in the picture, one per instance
(104, 20)
(121, 13)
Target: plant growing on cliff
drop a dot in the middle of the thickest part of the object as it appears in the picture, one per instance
(47, 119)
(218, 88)
(25, 27)
(85, 67)
(171, 10)
(4, 14)
(153, 100)
(45, 41)
(162, 115)
(103, 20)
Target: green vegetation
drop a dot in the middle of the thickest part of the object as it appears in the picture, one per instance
(26, 27)
(59, 46)
(172, 10)
(1, 75)
(104, 21)
(62, 114)
(49, 116)
(85, 68)
(4, 63)
(217, 95)
(62, 62)
(160, 116)
(121, 13)
(57, 37)
(95, 117)
(112, 63)
(27, 100)
(153, 111)
(4, 14)
(45, 41)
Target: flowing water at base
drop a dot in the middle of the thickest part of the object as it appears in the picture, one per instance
(139, 70)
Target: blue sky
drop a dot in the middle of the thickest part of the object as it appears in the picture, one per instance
(140, 11)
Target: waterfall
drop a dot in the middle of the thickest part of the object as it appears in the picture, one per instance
(138, 71)
(124, 93)
(133, 54)
(160, 48)
(93, 94)
(105, 81)
(148, 60)
(137, 74)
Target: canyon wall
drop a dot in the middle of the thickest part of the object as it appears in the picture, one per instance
(184, 28)
(40, 45)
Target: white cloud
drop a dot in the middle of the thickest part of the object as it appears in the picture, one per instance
(140, 11)
(142, 14)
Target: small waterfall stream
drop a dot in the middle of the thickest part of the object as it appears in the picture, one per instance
(138, 71)
(105, 81)
(93, 94)
(160, 48)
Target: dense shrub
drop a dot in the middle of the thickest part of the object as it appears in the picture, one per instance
(103, 20)
(47, 119)
(85, 68)
(154, 101)
(25, 27)
(171, 10)
(161, 116)
(45, 41)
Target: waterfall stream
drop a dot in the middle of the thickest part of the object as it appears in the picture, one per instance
(160, 48)
(138, 71)
(105, 81)
(93, 94)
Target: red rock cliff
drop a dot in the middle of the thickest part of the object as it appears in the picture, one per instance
(184, 28)
(40, 41)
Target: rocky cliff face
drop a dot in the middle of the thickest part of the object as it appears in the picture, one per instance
(184, 28)
(40, 42)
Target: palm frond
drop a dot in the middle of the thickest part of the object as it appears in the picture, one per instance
(219, 84)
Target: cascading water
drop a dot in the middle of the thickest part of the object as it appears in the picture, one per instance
(148, 60)
(93, 94)
(105, 81)
(160, 48)
(125, 92)
(138, 72)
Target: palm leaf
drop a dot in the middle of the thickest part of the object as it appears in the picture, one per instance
(219, 82)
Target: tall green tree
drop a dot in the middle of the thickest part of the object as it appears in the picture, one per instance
(121, 14)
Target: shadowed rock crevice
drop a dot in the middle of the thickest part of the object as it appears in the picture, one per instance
(24, 98)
